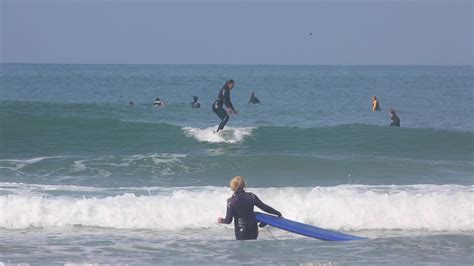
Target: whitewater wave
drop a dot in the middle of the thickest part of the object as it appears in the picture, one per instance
(347, 207)
(228, 135)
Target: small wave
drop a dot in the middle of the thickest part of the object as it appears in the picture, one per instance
(229, 135)
(17, 164)
(356, 207)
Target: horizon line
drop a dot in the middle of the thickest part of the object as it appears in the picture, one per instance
(220, 64)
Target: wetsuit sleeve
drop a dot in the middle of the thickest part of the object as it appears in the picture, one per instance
(229, 214)
(227, 101)
(265, 207)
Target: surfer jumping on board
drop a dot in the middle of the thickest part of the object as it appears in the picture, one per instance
(218, 105)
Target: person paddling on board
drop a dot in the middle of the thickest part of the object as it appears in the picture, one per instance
(240, 208)
(218, 105)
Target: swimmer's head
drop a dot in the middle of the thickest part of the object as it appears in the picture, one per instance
(237, 183)
(229, 84)
(195, 98)
(374, 97)
(157, 99)
(392, 112)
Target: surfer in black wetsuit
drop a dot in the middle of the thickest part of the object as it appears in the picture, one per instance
(253, 99)
(218, 105)
(394, 119)
(240, 208)
(195, 103)
(158, 103)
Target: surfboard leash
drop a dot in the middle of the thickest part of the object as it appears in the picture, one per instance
(271, 233)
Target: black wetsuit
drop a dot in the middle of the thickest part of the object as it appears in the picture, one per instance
(254, 100)
(195, 105)
(240, 207)
(218, 106)
(395, 121)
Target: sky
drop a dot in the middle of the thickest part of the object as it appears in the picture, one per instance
(338, 32)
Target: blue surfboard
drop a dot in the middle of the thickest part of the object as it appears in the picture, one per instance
(304, 229)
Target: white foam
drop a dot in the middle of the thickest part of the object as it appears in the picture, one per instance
(419, 207)
(19, 164)
(160, 163)
(228, 135)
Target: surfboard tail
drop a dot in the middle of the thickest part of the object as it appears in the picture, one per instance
(304, 229)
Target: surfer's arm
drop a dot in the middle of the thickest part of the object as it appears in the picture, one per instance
(227, 102)
(229, 214)
(264, 207)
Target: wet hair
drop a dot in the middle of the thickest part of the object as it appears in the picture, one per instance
(227, 83)
(195, 98)
(392, 111)
(237, 183)
(157, 99)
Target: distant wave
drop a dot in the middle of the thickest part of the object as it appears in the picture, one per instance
(418, 207)
(54, 133)
(209, 168)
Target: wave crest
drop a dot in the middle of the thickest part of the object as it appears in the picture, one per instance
(228, 135)
(416, 207)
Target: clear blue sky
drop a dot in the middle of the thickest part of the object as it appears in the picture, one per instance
(350, 32)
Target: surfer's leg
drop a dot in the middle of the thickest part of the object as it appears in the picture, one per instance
(224, 121)
(245, 229)
(222, 114)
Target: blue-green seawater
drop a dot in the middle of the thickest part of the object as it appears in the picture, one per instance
(87, 178)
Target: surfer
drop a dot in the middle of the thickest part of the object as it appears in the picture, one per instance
(224, 98)
(240, 208)
(195, 103)
(375, 104)
(158, 103)
(394, 119)
(253, 99)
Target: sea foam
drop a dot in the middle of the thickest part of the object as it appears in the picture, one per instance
(228, 135)
(348, 207)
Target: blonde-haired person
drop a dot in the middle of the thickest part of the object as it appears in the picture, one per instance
(375, 104)
(240, 208)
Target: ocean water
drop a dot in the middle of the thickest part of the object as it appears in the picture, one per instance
(85, 178)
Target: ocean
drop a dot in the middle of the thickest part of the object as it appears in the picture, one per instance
(87, 178)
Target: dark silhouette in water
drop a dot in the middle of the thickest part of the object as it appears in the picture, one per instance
(253, 99)
(394, 119)
(158, 102)
(195, 103)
